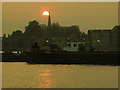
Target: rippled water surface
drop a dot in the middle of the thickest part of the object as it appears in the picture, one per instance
(22, 75)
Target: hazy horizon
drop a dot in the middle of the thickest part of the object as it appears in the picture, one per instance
(87, 15)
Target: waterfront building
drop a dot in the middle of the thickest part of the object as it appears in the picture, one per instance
(104, 40)
(116, 38)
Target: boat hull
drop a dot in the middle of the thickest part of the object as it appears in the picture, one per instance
(74, 58)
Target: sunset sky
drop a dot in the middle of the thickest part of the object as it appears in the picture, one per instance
(87, 15)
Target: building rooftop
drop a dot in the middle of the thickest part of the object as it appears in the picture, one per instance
(117, 27)
(100, 30)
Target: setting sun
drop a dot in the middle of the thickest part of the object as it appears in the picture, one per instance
(46, 13)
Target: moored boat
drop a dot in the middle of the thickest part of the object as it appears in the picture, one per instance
(57, 56)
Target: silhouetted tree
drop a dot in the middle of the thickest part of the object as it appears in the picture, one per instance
(33, 29)
(17, 34)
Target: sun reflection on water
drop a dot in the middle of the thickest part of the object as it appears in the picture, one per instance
(46, 79)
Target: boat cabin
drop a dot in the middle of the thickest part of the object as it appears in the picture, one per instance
(75, 46)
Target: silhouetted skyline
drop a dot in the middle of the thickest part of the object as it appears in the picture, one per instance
(85, 15)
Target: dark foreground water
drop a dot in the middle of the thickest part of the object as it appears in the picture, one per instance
(22, 75)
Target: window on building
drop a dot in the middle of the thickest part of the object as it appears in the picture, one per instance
(75, 45)
(69, 45)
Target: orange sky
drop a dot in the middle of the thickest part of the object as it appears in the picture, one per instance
(16, 15)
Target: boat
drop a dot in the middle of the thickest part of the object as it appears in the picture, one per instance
(58, 56)
(13, 57)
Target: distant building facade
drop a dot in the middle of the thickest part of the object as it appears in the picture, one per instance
(104, 40)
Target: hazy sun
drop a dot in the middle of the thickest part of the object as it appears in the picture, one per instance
(46, 13)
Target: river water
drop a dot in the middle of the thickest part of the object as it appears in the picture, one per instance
(22, 75)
